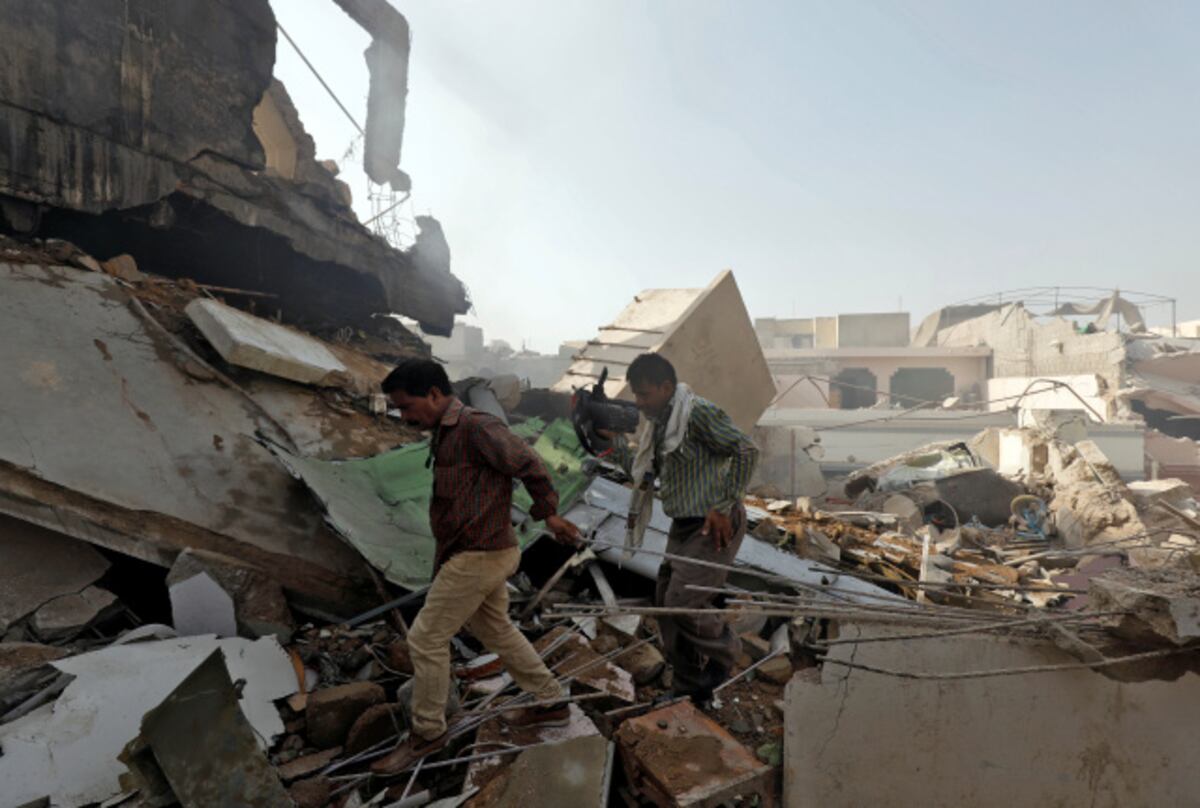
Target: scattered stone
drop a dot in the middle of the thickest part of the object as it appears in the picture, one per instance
(377, 724)
(605, 644)
(66, 616)
(755, 646)
(86, 262)
(124, 267)
(311, 793)
(644, 663)
(740, 726)
(331, 712)
(307, 765)
(777, 669)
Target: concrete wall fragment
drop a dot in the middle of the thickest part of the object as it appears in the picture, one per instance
(1069, 738)
(387, 59)
(705, 333)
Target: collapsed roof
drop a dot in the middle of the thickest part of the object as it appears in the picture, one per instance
(142, 140)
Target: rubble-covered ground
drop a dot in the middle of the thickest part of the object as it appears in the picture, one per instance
(103, 651)
(213, 532)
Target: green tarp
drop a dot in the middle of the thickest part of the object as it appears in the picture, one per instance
(381, 504)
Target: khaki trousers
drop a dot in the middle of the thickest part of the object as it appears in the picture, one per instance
(469, 590)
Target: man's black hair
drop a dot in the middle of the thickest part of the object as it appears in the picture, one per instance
(417, 377)
(651, 369)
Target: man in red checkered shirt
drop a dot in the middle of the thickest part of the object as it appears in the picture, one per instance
(475, 458)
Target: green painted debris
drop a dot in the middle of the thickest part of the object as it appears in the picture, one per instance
(771, 754)
(380, 504)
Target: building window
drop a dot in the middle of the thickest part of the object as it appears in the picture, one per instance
(802, 340)
(853, 388)
(912, 386)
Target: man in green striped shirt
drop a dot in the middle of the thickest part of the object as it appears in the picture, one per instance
(703, 464)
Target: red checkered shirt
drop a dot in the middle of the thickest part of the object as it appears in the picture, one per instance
(475, 459)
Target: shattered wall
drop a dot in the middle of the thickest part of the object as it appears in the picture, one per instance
(141, 140)
(137, 88)
(387, 59)
(1023, 346)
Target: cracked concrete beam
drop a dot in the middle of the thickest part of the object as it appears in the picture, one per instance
(387, 59)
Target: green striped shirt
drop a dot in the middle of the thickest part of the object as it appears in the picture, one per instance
(711, 468)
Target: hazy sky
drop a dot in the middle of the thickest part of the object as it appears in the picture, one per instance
(840, 156)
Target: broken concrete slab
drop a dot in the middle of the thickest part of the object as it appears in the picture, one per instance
(202, 713)
(387, 61)
(705, 333)
(68, 615)
(252, 342)
(68, 750)
(332, 711)
(1069, 738)
(574, 654)
(576, 772)
(259, 606)
(1162, 604)
(40, 565)
(200, 606)
(981, 493)
(677, 756)
(130, 404)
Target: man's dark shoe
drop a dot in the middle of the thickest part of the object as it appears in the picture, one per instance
(406, 755)
(549, 715)
(711, 677)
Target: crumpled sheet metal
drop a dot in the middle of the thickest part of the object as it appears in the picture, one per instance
(602, 511)
(380, 504)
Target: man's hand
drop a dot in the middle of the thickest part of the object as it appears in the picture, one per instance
(564, 532)
(719, 526)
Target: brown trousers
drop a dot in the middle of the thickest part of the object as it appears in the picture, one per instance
(689, 640)
(469, 590)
